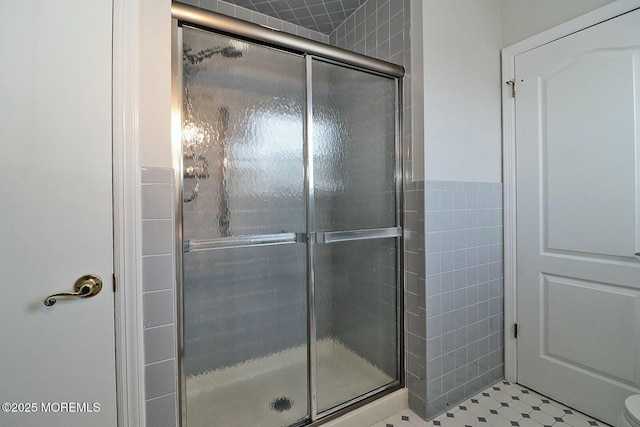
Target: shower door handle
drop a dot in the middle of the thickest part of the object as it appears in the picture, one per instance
(353, 235)
(244, 241)
(85, 287)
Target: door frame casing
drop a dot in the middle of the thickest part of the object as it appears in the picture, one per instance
(508, 56)
(127, 240)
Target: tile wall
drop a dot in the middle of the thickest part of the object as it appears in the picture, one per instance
(158, 297)
(322, 16)
(464, 291)
(381, 29)
(257, 18)
(415, 298)
(378, 28)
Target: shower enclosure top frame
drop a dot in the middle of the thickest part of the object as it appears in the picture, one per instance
(194, 17)
(239, 28)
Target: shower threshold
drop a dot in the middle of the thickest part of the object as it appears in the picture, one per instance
(269, 391)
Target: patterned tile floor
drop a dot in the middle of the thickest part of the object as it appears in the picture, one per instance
(501, 405)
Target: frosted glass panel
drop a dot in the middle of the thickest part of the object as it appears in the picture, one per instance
(242, 138)
(354, 148)
(354, 156)
(245, 309)
(239, 310)
(245, 337)
(356, 302)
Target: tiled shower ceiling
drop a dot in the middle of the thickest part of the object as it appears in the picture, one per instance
(318, 15)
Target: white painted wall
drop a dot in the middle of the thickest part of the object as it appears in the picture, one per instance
(462, 41)
(524, 18)
(154, 120)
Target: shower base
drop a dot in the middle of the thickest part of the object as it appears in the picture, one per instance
(272, 391)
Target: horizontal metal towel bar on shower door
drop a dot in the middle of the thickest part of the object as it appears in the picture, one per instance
(243, 241)
(287, 238)
(353, 235)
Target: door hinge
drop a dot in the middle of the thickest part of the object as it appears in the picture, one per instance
(113, 280)
(512, 83)
(515, 330)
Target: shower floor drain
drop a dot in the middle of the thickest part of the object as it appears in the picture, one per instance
(281, 404)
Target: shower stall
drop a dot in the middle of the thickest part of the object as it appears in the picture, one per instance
(289, 163)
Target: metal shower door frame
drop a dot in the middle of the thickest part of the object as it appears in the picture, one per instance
(311, 50)
(315, 237)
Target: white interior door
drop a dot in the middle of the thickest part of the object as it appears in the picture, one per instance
(578, 222)
(57, 363)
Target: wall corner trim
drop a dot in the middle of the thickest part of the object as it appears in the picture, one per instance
(126, 214)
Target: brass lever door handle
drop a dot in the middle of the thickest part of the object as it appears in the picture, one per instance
(85, 287)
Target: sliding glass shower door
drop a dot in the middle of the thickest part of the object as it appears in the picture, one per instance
(290, 225)
(244, 274)
(355, 220)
